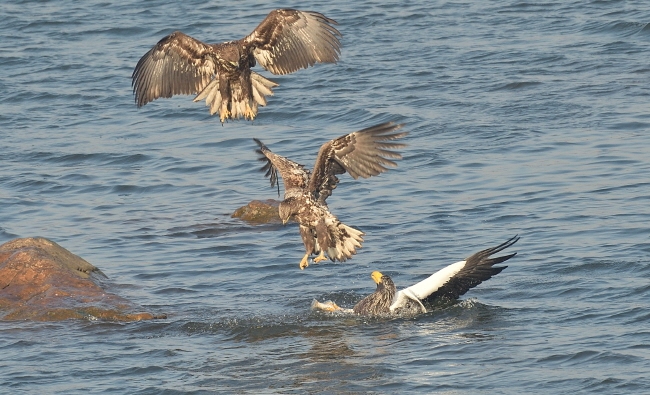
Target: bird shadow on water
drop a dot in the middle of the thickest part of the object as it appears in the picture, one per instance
(220, 227)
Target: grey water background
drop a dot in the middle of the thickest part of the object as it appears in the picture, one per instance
(524, 118)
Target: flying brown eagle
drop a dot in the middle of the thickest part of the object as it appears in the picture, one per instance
(363, 154)
(448, 283)
(287, 40)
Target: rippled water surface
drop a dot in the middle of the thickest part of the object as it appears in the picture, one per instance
(524, 118)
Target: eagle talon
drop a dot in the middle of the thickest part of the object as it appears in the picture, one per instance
(320, 257)
(249, 113)
(304, 262)
(223, 115)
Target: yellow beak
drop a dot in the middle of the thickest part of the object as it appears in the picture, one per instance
(376, 276)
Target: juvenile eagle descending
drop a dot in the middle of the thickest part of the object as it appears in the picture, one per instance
(363, 154)
(448, 283)
(287, 40)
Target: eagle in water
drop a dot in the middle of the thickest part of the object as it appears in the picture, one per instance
(363, 154)
(287, 40)
(448, 283)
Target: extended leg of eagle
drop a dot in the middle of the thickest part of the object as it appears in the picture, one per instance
(309, 241)
(226, 97)
(247, 92)
(224, 113)
(249, 112)
(324, 239)
(304, 262)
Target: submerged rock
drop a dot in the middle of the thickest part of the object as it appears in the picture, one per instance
(259, 212)
(40, 280)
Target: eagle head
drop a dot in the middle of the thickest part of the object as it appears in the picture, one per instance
(287, 209)
(383, 281)
(376, 276)
(378, 302)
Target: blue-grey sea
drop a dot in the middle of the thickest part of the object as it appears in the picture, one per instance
(525, 118)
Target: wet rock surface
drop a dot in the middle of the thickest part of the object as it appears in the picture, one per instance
(40, 280)
(259, 212)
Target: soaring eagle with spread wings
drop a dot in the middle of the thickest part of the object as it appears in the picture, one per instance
(448, 283)
(287, 40)
(363, 154)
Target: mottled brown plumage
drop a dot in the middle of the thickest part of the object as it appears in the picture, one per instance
(364, 153)
(378, 302)
(287, 40)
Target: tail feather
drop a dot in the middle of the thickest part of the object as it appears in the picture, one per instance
(259, 98)
(211, 95)
(214, 98)
(206, 91)
(262, 86)
(346, 241)
(238, 109)
(239, 106)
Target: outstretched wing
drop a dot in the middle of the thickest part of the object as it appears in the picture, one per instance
(362, 154)
(454, 280)
(293, 175)
(289, 40)
(178, 64)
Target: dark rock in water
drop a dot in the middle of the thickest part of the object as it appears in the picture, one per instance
(40, 280)
(258, 212)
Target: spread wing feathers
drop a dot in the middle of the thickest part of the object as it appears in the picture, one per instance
(289, 40)
(178, 64)
(293, 174)
(456, 279)
(364, 153)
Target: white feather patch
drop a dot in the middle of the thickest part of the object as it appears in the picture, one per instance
(427, 286)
